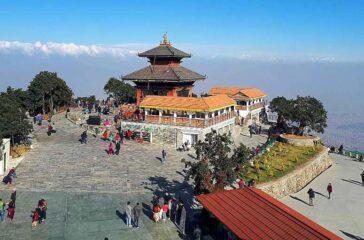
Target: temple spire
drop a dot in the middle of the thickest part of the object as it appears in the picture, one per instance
(165, 41)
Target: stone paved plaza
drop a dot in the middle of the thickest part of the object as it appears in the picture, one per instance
(343, 213)
(88, 190)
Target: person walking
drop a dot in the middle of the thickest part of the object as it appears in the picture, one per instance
(164, 156)
(311, 196)
(13, 196)
(84, 137)
(117, 148)
(250, 131)
(110, 149)
(11, 210)
(128, 213)
(329, 189)
(362, 177)
(2, 210)
(137, 212)
(35, 218)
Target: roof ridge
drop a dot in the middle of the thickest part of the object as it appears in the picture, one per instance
(179, 78)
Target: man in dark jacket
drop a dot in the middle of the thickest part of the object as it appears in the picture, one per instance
(311, 195)
(137, 212)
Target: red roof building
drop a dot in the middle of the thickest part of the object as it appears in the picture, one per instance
(250, 213)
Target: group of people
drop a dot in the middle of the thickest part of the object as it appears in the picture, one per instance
(311, 194)
(8, 179)
(167, 208)
(39, 214)
(254, 129)
(162, 209)
(243, 184)
(113, 138)
(133, 215)
(10, 207)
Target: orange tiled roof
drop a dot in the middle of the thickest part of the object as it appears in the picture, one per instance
(235, 92)
(251, 213)
(206, 104)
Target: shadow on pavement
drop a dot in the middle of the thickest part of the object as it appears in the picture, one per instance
(352, 181)
(351, 235)
(299, 199)
(318, 193)
(121, 215)
(178, 190)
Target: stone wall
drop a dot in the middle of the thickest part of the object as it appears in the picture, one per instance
(299, 178)
(300, 141)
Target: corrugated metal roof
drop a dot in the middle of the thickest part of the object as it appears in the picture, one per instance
(252, 214)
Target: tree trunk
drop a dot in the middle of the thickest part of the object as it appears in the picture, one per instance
(300, 130)
(43, 105)
(51, 104)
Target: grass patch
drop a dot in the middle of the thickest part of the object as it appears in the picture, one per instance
(281, 159)
(291, 136)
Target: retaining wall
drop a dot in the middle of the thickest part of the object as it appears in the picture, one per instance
(299, 178)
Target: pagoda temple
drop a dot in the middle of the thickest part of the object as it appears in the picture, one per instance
(164, 76)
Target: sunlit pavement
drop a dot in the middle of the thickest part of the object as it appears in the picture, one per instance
(343, 214)
(87, 190)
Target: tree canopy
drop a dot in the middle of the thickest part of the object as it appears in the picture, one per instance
(13, 120)
(48, 91)
(120, 91)
(216, 167)
(304, 111)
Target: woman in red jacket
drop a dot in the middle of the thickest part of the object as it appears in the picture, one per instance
(329, 189)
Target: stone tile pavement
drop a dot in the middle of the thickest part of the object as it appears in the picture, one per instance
(88, 190)
(343, 213)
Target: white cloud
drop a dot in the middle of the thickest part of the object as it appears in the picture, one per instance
(291, 57)
(66, 49)
(123, 50)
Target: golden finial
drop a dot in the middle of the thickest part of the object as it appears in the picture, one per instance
(165, 40)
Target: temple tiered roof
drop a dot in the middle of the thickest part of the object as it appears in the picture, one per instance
(165, 49)
(164, 73)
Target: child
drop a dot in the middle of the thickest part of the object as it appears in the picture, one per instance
(35, 217)
(110, 149)
(165, 210)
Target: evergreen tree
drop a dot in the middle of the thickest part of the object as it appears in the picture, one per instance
(120, 91)
(216, 167)
(48, 91)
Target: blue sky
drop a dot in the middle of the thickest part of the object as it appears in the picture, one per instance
(327, 28)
